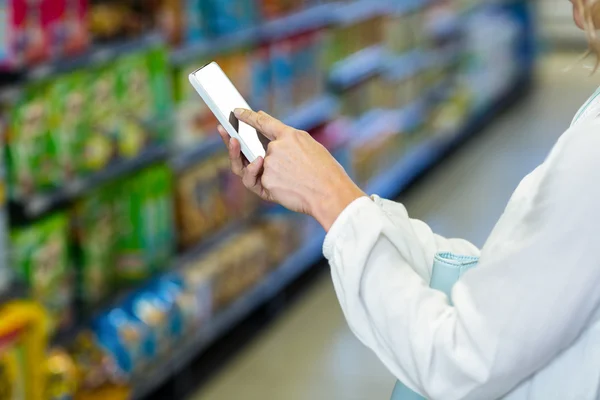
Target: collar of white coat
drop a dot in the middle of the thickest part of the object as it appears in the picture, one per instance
(590, 109)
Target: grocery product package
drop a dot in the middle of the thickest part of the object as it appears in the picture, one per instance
(144, 224)
(41, 258)
(94, 233)
(29, 157)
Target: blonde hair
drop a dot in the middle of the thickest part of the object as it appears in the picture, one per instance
(589, 11)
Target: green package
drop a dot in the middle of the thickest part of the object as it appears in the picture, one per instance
(103, 116)
(95, 238)
(69, 127)
(30, 166)
(135, 101)
(145, 218)
(160, 192)
(41, 259)
(159, 69)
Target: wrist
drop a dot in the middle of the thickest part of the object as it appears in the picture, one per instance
(327, 208)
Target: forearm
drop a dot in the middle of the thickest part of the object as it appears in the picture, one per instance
(332, 200)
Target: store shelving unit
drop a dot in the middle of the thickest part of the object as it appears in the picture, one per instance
(312, 18)
(38, 205)
(358, 67)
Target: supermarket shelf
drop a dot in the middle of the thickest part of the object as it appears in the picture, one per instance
(360, 10)
(293, 267)
(314, 113)
(310, 19)
(41, 204)
(191, 52)
(97, 55)
(424, 155)
(358, 67)
(405, 65)
(414, 162)
(302, 21)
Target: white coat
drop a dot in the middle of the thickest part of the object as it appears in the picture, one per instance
(525, 324)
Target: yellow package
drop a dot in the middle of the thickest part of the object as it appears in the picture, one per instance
(23, 340)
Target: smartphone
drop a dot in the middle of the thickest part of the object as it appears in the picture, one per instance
(222, 98)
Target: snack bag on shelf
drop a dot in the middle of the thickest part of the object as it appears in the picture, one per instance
(131, 265)
(239, 201)
(64, 26)
(28, 147)
(23, 341)
(75, 37)
(161, 118)
(145, 233)
(399, 33)
(41, 258)
(196, 298)
(314, 73)
(159, 217)
(226, 16)
(104, 117)
(201, 206)
(156, 308)
(98, 375)
(148, 309)
(283, 234)
(61, 376)
(135, 104)
(95, 230)
(170, 289)
(239, 70)
(259, 97)
(31, 37)
(126, 340)
(11, 21)
(121, 19)
(69, 128)
(182, 21)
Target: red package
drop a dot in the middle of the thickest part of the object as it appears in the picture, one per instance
(69, 20)
(27, 43)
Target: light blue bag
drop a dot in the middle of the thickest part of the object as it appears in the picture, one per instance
(447, 269)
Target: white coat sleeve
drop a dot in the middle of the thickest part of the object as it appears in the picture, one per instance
(533, 292)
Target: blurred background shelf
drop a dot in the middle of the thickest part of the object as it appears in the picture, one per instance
(358, 67)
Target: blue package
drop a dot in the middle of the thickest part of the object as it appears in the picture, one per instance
(260, 80)
(195, 21)
(150, 310)
(168, 290)
(127, 340)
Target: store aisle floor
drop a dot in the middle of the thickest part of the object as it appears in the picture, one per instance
(309, 353)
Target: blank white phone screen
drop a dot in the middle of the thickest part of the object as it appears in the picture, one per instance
(227, 98)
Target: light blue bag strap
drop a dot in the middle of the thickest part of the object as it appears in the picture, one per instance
(447, 270)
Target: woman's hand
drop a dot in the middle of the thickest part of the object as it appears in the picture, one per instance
(297, 172)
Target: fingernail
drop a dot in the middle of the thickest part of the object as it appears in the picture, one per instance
(238, 112)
